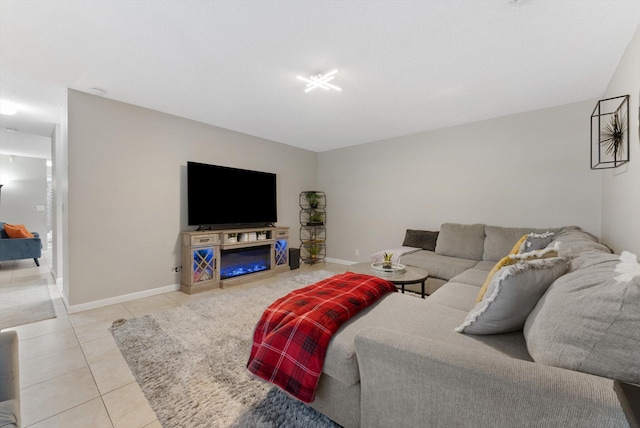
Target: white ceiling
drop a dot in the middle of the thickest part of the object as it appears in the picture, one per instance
(404, 66)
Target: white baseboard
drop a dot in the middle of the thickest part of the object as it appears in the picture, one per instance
(339, 261)
(71, 309)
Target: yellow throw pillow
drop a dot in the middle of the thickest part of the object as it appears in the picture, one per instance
(513, 259)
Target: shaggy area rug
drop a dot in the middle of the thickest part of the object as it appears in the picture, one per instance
(191, 362)
(25, 303)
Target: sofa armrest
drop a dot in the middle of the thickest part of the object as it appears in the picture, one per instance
(9, 370)
(409, 381)
(9, 375)
(20, 248)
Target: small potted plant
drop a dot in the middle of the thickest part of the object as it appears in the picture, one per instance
(387, 264)
(313, 199)
(262, 235)
(233, 237)
(314, 249)
(315, 218)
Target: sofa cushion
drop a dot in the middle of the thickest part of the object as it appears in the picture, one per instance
(499, 241)
(474, 276)
(575, 241)
(513, 293)
(588, 319)
(8, 413)
(438, 266)
(485, 265)
(456, 295)
(419, 317)
(465, 241)
(424, 239)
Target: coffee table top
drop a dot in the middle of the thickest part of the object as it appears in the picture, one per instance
(411, 275)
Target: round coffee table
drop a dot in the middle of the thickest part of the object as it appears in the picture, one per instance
(411, 275)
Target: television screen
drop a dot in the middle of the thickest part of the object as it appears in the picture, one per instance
(220, 195)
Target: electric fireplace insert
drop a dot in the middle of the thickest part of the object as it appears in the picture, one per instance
(243, 261)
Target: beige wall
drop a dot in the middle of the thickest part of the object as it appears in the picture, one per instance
(127, 191)
(621, 186)
(529, 170)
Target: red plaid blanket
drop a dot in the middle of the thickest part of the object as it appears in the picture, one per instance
(291, 338)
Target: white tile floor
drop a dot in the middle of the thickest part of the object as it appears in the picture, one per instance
(71, 371)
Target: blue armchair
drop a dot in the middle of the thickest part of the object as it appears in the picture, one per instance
(19, 248)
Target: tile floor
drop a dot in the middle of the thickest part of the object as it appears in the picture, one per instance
(71, 371)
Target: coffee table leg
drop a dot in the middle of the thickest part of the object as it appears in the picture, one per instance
(423, 289)
(402, 288)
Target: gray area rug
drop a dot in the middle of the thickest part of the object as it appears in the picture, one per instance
(25, 303)
(191, 362)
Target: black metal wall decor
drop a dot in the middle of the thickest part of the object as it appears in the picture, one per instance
(610, 133)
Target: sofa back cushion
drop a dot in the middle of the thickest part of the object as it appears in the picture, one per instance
(499, 241)
(588, 319)
(438, 266)
(575, 241)
(465, 241)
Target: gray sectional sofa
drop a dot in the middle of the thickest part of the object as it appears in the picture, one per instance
(402, 363)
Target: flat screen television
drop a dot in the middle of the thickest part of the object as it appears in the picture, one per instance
(220, 195)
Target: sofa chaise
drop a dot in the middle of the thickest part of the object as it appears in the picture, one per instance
(407, 362)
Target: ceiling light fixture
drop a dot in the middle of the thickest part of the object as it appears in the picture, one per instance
(320, 81)
(8, 108)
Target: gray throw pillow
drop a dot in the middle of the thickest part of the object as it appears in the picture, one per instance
(424, 239)
(535, 241)
(513, 292)
(589, 320)
(465, 241)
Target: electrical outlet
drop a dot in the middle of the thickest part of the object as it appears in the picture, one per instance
(357, 251)
(176, 269)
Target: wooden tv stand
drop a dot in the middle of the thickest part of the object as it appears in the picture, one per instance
(206, 256)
